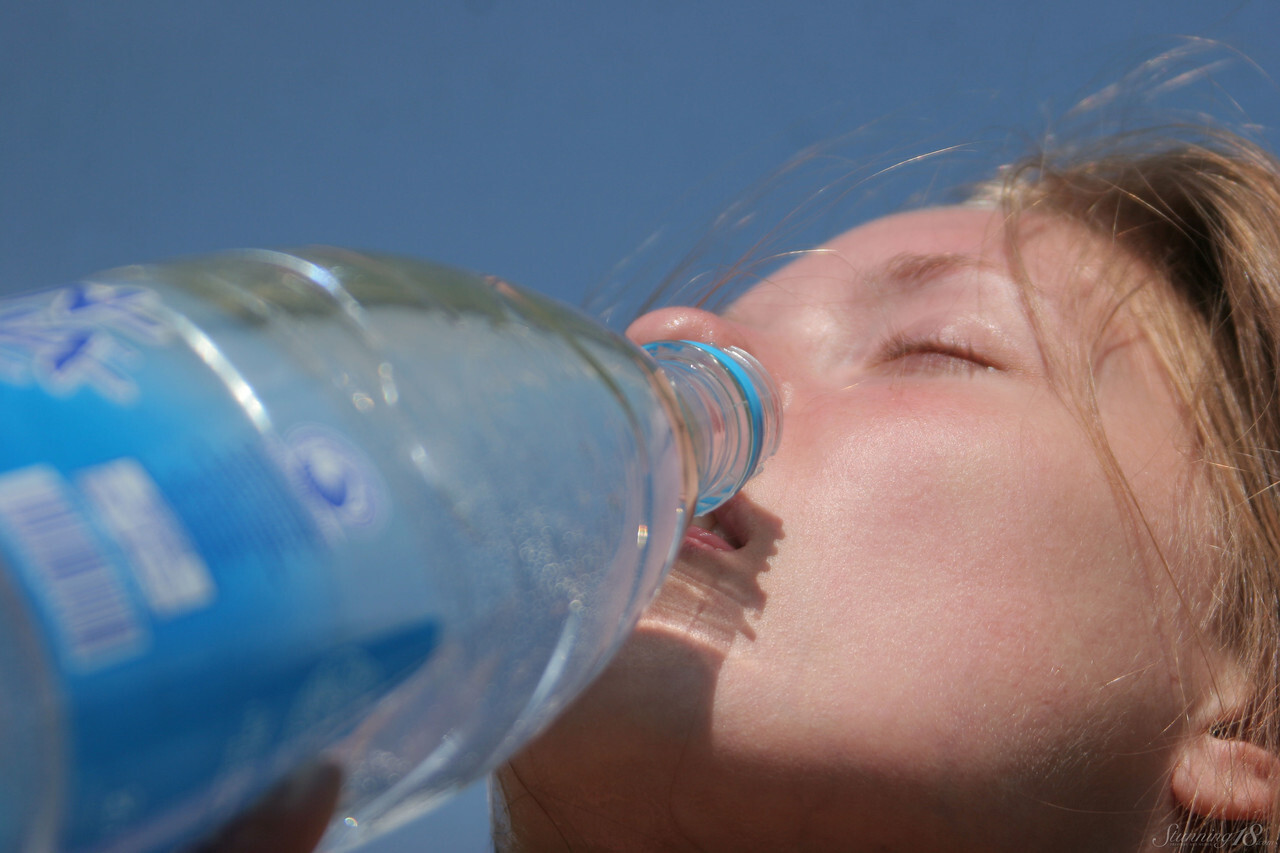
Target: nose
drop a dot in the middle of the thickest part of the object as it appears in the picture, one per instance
(753, 398)
(694, 324)
(688, 324)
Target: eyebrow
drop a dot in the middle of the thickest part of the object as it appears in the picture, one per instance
(916, 270)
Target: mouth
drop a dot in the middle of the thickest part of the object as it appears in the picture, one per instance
(713, 591)
(713, 532)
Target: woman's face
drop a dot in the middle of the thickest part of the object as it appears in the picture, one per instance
(932, 622)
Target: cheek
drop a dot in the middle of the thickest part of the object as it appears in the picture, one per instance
(934, 494)
(954, 568)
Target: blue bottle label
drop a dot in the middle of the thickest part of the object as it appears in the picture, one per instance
(189, 563)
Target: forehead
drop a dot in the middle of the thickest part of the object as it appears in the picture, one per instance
(1072, 274)
(846, 260)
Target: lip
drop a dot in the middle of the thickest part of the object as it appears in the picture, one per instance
(713, 590)
(696, 537)
(728, 521)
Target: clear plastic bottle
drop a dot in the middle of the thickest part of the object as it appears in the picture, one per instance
(261, 507)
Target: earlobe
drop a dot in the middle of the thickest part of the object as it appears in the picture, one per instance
(1226, 778)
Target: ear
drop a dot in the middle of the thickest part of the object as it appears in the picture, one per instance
(1223, 777)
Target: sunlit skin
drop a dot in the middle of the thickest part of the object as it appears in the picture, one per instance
(945, 629)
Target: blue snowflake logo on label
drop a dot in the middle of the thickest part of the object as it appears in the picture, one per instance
(338, 480)
(76, 337)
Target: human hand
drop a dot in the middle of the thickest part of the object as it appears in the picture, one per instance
(291, 818)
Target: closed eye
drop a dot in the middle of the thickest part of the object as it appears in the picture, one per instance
(930, 355)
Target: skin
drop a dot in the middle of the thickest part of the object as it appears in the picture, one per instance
(292, 818)
(945, 628)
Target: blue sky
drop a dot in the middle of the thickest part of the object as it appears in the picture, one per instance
(544, 142)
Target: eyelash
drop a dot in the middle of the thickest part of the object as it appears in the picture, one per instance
(951, 357)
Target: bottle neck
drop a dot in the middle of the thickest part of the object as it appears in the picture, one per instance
(731, 410)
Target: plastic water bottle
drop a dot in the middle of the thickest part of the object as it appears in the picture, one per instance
(259, 508)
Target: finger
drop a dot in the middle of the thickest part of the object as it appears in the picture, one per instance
(290, 819)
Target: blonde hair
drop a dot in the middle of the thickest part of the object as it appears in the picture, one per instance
(1202, 208)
